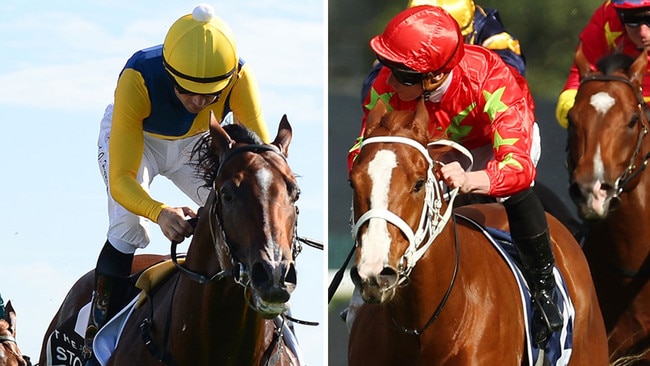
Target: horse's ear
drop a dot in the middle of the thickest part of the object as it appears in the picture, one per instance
(283, 138)
(373, 120)
(221, 141)
(583, 65)
(10, 316)
(638, 68)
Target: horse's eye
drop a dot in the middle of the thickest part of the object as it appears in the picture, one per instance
(226, 196)
(418, 185)
(294, 191)
(633, 122)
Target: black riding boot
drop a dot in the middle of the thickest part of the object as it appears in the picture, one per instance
(529, 230)
(111, 273)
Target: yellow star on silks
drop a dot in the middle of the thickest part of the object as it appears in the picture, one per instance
(500, 141)
(493, 103)
(611, 36)
(374, 97)
(509, 160)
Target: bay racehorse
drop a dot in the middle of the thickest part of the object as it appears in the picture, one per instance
(10, 354)
(434, 290)
(227, 303)
(607, 154)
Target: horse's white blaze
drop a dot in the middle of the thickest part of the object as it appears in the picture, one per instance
(598, 197)
(265, 179)
(602, 102)
(376, 241)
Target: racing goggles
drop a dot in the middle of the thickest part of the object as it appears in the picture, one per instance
(402, 75)
(184, 91)
(635, 20)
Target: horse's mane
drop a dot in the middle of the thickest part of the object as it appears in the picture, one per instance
(205, 159)
(614, 62)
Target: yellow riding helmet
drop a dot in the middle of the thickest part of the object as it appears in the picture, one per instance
(461, 10)
(199, 52)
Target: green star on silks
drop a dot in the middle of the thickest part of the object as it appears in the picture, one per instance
(509, 160)
(374, 97)
(455, 131)
(500, 141)
(493, 103)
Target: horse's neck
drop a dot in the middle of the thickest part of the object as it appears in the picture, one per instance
(430, 279)
(218, 321)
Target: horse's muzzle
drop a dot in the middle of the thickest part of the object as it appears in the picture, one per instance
(273, 285)
(376, 288)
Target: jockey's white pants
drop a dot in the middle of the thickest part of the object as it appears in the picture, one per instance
(169, 158)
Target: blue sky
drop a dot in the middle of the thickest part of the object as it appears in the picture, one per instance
(58, 72)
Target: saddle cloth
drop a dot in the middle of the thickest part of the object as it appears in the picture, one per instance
(560, 345)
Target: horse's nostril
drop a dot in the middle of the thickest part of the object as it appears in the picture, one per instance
(291, 276)
(574, 192)
(259, 274)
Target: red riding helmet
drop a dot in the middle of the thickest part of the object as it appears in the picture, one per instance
(423, 38)
(630, 4)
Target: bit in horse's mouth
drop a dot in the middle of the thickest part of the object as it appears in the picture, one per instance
(269, 310)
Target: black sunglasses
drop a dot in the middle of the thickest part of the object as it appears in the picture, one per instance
(402, 75)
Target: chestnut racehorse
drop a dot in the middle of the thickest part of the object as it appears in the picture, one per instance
(607, 154)
(435, 291)
(10, 354)
(226, 304)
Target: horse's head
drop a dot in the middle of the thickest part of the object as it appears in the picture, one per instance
(606, 127)
(254, 212)
(391, 180)
(9, 353)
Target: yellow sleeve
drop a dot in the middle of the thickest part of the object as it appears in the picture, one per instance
(502, 41)
(564, 103)
(246, 106)
(126, 146)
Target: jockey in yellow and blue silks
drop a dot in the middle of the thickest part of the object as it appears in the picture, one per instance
(479, 26)
(162, 104)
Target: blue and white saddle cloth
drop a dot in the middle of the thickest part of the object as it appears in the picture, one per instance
(560, 345)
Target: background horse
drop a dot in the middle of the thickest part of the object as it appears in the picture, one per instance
(460, 304)
(10, 354)
(221, 307)
(608, 152)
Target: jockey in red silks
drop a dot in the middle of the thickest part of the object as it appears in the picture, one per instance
(475, 99)
(479, 26)
(617, 26)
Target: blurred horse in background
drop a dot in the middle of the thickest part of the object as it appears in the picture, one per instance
(607, 155)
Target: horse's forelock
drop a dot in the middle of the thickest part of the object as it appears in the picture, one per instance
(402, 123)
(205, 159)
(613, 63)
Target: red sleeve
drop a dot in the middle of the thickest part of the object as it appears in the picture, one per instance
(509, 110)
